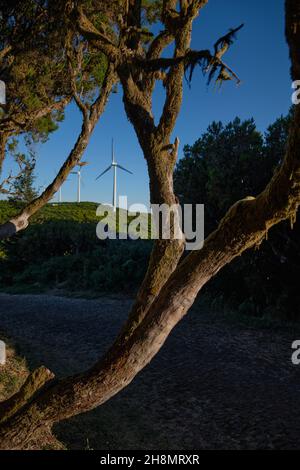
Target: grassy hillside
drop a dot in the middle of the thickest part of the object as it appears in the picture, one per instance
(60, 250)
(83, 212)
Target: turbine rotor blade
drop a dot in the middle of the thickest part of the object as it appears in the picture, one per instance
(103, 172)
(122, 168)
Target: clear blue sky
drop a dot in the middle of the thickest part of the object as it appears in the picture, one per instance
(259, 57)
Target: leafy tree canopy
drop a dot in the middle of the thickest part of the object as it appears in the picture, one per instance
(35, 66)
(229, 162)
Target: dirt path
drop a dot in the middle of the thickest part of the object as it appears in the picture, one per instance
(214, 385)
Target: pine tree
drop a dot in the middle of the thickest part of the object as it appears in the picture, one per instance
(22, 188)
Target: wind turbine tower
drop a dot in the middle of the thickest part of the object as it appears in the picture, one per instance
(78, 173)
(114, 165)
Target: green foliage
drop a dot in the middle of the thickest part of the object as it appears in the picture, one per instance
(36, 70)
(60, 250)
(224, 165)
(152, 10)
(230, 162)
(22, 187)
(83, 212)
(35, 31)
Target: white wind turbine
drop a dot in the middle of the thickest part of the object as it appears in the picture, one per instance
(78, 173)
(114, 165)
(59, 191)
(59, 195)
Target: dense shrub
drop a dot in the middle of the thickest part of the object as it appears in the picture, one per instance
(230, 162)
(67, 254)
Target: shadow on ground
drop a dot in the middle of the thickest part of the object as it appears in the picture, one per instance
(214, 385)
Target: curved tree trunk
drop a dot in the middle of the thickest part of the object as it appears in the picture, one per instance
(3, 141)
(165, 254)
(244, 226)
(161, 157)
(21, 221)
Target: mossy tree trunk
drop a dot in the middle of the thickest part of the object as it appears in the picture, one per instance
(166, 295)
(89, 120)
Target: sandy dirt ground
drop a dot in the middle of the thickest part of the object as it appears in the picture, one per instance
(214, 384)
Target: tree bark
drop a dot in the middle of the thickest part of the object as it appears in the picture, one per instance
(34, 382)
(21, 221)
(244, 226)
(159, 153)
(3, 141)
(165, 253)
